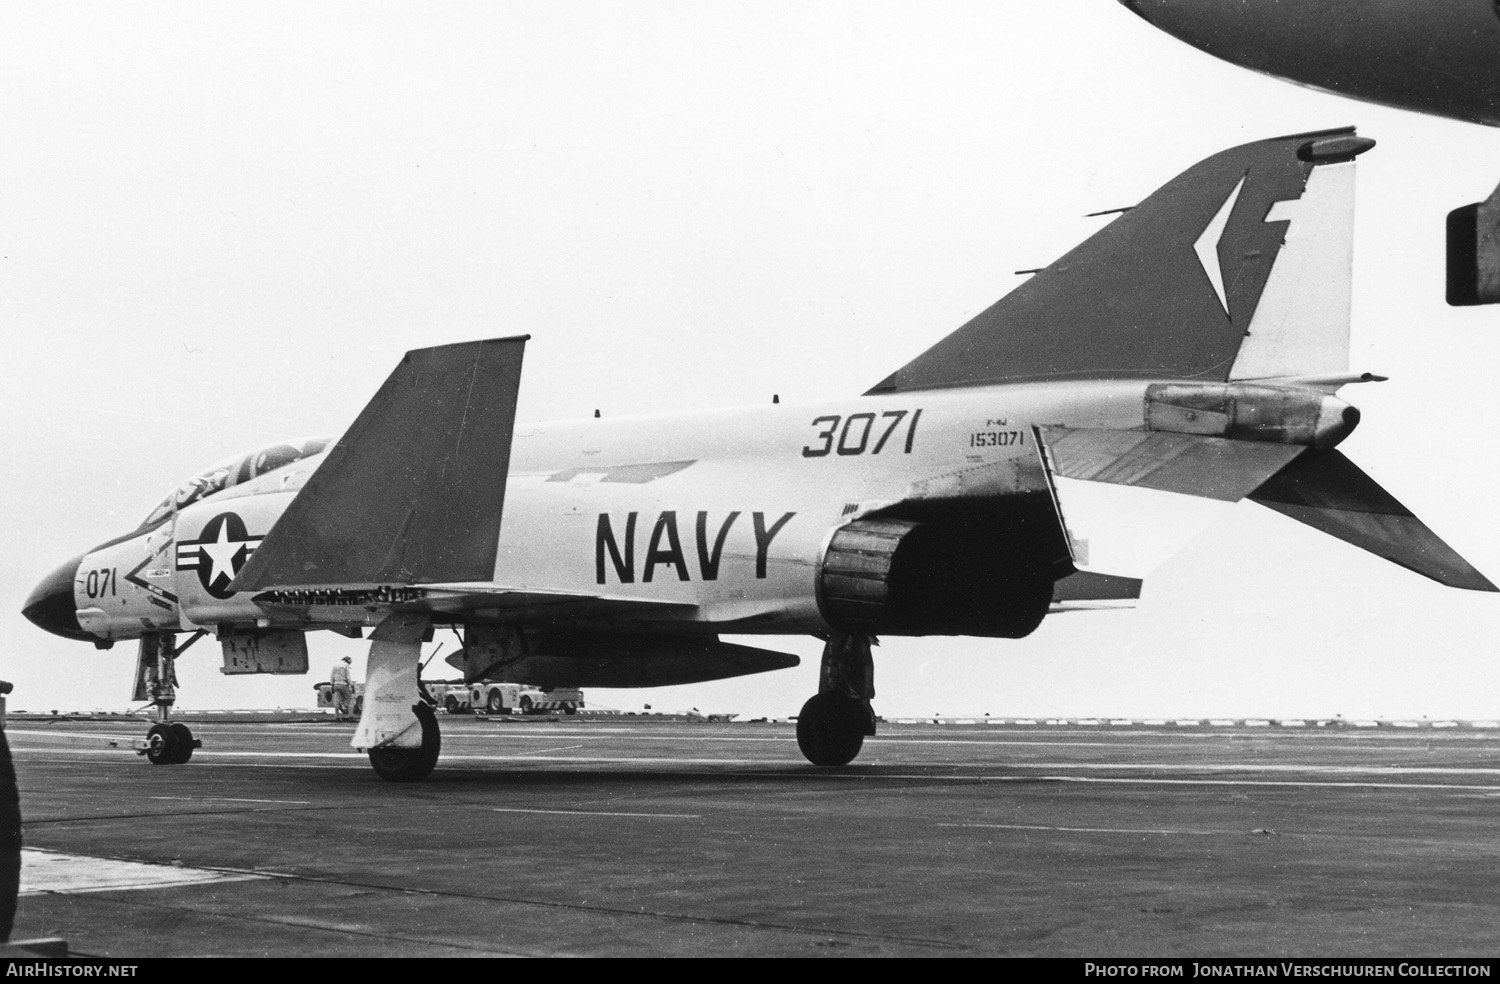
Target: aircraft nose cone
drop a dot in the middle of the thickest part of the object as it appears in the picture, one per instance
(1175, 16)
(1288, 38)
(50, 605)
(1136, 7)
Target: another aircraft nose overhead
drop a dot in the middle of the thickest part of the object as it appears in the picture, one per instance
(50, 605)
(1174, 15)
(1431, 56)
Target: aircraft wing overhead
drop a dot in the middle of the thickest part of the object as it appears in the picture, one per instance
(413, 491)
(1329, 492)
(1171, 288)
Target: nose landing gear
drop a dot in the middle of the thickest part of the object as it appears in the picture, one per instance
(168, 742)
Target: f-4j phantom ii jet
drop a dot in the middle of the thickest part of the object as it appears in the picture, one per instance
(1194, 346)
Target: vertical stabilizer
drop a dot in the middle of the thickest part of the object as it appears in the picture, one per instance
(1238, 245)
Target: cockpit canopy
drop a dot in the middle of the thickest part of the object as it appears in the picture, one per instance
(235, 471)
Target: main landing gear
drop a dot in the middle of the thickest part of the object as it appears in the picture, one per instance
(411, 764)
(168, 742)
(398, 729)
(833, 723)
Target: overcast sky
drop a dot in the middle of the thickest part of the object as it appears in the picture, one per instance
(222, 224)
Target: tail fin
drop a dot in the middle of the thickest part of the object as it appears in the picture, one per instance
(1238, 268)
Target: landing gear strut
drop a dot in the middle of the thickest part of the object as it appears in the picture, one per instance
(168, 742)
(833, 724)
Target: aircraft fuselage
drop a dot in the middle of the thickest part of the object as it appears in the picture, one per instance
(723, 516)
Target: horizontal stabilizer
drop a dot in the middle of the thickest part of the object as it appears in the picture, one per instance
(413, 492)
(1329, 492)
(1190, 464)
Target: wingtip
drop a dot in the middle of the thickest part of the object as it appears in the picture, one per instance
(1484, 584)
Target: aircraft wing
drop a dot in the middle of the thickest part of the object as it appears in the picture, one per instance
(413, 491)
(405, 513)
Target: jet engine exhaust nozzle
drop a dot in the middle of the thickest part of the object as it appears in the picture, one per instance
(1250, 412)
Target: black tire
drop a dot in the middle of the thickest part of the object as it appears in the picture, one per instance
(831, 729)
(161, 745)
(451, 705)
(570, 709)
(411, 764)
(184, 741)
(526, 707)
(10, 840)
(494, 703)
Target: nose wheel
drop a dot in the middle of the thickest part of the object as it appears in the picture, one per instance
(170, 744)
